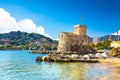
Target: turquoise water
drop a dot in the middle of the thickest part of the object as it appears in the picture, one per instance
(20, 65)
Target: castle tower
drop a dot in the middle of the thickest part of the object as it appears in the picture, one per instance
(76, 41)
(80, 29)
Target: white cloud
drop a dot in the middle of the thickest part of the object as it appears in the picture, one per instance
(9, 23)
(116, 33)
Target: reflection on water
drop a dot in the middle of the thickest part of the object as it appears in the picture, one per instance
(80, 71)
(20, 65)
(72, 71)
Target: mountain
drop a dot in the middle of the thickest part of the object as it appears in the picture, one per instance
(18, 38)
(112, 37)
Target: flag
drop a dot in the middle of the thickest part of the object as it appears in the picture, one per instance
(81, 18)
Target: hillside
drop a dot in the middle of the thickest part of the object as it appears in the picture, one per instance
(18, 38)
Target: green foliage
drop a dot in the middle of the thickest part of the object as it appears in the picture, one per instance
(9, 46)
(26, 47)
(55, 48)
(1, 47)
(47, 47)
(102, 45)
(92, 45)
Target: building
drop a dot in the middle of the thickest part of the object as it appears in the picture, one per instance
(115, 44)
(78, 41)
(110, 37)
(4, 42)
(95, 40)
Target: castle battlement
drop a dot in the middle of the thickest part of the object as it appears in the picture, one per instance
(80, 29)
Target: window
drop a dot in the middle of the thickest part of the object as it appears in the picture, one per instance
(82, 41)
(83, 47)
(61, 36)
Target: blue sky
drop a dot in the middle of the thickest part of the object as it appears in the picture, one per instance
(102, 17)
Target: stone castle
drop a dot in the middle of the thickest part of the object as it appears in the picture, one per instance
(78, 41)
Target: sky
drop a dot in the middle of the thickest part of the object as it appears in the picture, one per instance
(50, 17)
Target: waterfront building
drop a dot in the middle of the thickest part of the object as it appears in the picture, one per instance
(95, 40)
(110, 37)
(77, 41)
(4, 42)
(115, 44)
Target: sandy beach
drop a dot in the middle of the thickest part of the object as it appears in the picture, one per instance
(113, 66)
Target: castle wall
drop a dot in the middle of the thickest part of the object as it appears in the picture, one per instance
(63, 42)
(75, 42)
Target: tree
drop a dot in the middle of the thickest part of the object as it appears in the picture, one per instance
(26, 47)
(102, 45)
(9, 46)
(92, 45)
(99, 45)
(47, 47)
(1, 47)
(106, 44)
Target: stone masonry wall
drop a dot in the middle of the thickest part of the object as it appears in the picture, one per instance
(74, 42)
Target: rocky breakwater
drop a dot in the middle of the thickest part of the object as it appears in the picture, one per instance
(76, 57)
(68, 58)
(106, 56)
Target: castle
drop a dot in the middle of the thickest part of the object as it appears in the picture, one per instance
(78, 41)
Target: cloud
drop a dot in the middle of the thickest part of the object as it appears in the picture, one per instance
(9, 23)
(116, 33)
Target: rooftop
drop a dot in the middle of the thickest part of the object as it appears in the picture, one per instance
(80, 25)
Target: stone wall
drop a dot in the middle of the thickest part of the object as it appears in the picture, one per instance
(80, 29)
(74, 42)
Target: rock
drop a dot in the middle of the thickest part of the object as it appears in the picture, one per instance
(92, 50)
(44, 58)
(104, 54)
(91, 55)
(98, 55)
(80, 56)
(74, 56)
(119, 49)
(86, 57)
(118, 56)
(39, 59)
(66, 56)
(114, 52)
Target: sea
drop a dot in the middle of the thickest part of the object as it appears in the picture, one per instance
(21, 65)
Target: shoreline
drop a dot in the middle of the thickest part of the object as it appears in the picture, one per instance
(78, 58)
(113, 66)
(113, 61)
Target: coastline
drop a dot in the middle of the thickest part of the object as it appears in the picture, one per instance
(113, 66)
(113, 61)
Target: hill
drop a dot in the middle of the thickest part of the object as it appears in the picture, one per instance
(18, 38)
